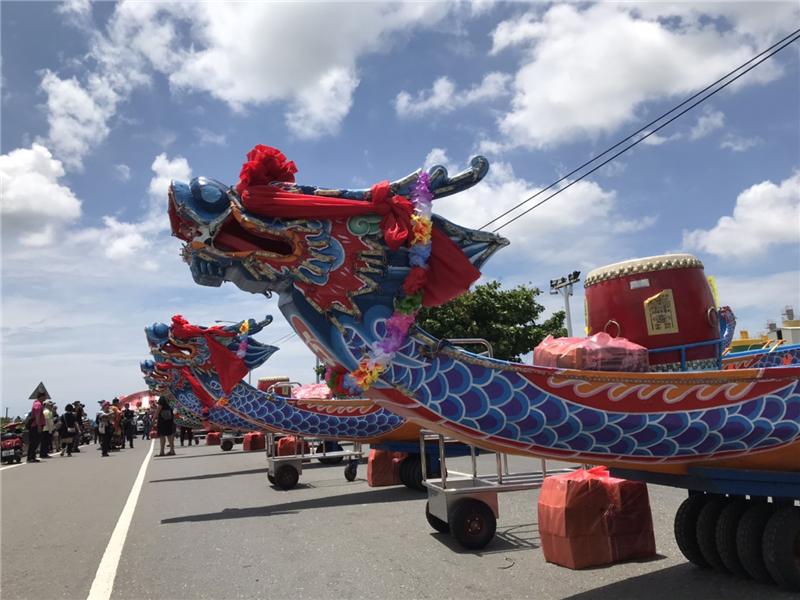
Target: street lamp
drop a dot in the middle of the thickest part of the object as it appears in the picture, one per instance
(249, 372)
(564, 286)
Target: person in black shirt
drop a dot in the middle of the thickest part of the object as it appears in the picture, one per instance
(128, 424)
(165, 425)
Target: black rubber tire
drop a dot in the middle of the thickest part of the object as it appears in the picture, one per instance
(415, 475)
(781, 547)
(330, 447)
(286, 477)
(686, 529)
(271, 478)
(472, 523)
(226, 445)
(350, 471)
(727, 524)
(749, 545)
(436, 522)
(18, 459)
(707, 532)
(411, 472)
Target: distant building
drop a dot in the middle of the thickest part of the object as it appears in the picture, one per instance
(789, 331)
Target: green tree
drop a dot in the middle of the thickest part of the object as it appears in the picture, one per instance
(506, 318)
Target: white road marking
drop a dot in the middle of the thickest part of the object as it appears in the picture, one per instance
(103, 583)
(7, 467)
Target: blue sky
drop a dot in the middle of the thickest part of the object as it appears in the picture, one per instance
(103, 103)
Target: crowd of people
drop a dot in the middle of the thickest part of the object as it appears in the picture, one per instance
(112, 428)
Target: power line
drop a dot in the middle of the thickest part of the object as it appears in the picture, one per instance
(282, 338)
(772, 50)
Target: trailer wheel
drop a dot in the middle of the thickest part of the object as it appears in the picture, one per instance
(472, 523)
(271, 478)
(781, 544)
(286, 477)
(686, 529)
(18, 459)
(350, 471)
(436, 522)
(725, 535)
(330, 447)
(226, 445)
(411, 472)
(707, 532)
(749, 546)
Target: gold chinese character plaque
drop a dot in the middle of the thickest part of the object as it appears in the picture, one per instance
(659, 310)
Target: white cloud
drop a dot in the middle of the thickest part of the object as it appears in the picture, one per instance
(444, 98)
(77, 115)
(122, 172)
(709, 121)
(33, 198)
(586, 72)
(737, 143)
(320, 109)
(584, 212)
(765, 214)
(206, 137)
(164, 171)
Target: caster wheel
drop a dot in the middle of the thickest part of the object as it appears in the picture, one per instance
(286, 477)
(472, 523)
(707, 532)
(18, 460)
(436, 522)
(226, 445)
(330, 447)
(350, 471)
(727, 524)
(749, 537)
(781, 546)
(686, 529)
(271, 478)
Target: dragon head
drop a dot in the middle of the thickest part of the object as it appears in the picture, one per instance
(328, 246)
(227, 350)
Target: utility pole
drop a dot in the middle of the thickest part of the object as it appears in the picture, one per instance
(563, 286)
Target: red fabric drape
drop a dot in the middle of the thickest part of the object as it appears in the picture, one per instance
(198, 389)
(449, 271)
(229, 367)
(269, 201)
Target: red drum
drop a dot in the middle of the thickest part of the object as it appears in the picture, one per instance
(656, 302)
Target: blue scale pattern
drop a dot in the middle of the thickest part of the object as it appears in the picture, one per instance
(505, 404)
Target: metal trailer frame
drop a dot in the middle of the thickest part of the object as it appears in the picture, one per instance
(284, 471)
(229, 439)
(465, 504)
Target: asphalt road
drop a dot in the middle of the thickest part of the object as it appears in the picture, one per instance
(207, 525)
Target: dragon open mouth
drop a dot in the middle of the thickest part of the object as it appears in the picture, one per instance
(232, 237)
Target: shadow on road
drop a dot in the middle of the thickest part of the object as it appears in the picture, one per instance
(506, 539)
(682, 581)
(261, 470)
(394, 494)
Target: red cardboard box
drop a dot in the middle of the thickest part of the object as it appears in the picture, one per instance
(383, 468)
(290, 445)
(254, 441)
(588, 518)
(212, 438)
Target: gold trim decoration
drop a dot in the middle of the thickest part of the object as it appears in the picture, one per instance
(640, 266)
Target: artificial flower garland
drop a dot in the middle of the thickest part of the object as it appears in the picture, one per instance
(381, 353)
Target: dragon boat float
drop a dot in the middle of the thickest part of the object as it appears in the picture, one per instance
(353, 267)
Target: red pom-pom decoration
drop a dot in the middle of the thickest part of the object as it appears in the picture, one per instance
(265, 165)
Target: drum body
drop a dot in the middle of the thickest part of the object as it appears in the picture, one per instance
(657, 302)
